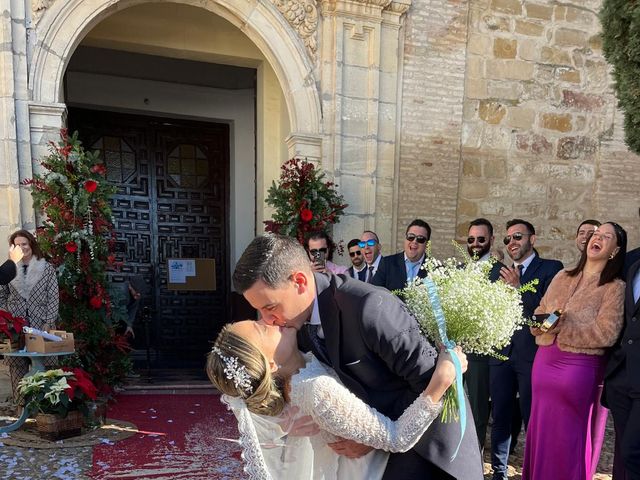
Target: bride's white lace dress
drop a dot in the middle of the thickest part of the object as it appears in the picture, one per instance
(317, 391)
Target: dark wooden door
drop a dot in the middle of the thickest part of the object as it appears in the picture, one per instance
(172, 202)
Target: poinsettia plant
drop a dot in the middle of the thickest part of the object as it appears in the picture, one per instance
(303, 201)
(11, 326)
(58, 391)
(77, 236)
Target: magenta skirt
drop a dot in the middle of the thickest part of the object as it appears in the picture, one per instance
(567, 423)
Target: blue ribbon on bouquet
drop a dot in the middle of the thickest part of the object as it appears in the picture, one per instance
(432, 290)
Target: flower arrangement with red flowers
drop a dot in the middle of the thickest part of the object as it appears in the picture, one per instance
(77, 236)
(11, 326)
(58, 391)
(303, 201)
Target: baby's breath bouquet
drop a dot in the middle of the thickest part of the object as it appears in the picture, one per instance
(480, 315)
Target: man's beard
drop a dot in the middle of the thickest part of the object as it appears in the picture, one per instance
(480, 253)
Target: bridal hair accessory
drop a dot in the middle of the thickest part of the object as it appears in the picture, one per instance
(234, 371)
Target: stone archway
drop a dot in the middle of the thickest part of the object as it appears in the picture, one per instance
(64, 24)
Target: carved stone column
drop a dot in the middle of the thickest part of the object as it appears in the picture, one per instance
(361, 56)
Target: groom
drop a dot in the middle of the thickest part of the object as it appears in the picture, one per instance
(368, 337)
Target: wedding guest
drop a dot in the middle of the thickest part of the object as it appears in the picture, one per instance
(569, 364)
(622, 384)
(321, 243)
(8, 268)
(510, 380)
(261, 368)
(585, 229)
(396, 270)
(371, 249)
(32, 294)
(480, 241)
(358, 268)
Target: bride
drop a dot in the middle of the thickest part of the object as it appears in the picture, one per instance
(269, 384)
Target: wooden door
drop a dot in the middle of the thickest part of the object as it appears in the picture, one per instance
(172, 202)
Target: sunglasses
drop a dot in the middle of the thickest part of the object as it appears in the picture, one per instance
(516, 236)
(314, 251)
(368, 243)
(470, 240)
(418, 238)
(356, 253)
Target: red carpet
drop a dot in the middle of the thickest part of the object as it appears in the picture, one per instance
(181, 437)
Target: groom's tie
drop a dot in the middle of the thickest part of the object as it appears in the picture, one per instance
(320, 349)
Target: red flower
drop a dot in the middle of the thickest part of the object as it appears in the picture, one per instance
(71, 247)
(99, 168)
(96, 302)
(306, 215)
(90, 186)
(82, 381)
(11, 326)
(66, 150)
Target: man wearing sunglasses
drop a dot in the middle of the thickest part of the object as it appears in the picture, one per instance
(371, 248)
(479, 244)
(358, 268)
(396, 270)
(320, 248)
(513, 376)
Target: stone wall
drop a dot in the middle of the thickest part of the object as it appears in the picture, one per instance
(432, 100)
(540, 136)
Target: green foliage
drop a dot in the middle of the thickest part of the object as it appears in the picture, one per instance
(57, 391)
(303, 201)
(76, 236)
(621, 44)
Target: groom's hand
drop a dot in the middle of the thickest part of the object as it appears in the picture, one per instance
(350, 448)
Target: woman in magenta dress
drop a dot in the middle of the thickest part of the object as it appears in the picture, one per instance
(564, 434)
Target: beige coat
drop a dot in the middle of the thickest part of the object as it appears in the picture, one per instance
(592, 315)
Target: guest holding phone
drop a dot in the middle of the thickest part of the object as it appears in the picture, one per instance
(320, 248)
(566, 427)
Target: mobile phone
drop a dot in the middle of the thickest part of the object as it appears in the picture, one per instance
(320, 259)
(550, 321)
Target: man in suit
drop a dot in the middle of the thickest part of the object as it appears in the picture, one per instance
(630, 258)
(396, 270)
(8, 268)
(513, 376)
(346, 323)
(358, 268)
(584, 232)
(480, 240)
(622, 384)
(371, 249)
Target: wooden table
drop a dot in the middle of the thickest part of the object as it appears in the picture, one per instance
(37, 365)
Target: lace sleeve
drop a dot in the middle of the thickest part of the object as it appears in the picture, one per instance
(336, 410)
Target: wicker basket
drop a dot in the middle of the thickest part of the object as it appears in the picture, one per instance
(6, 346)
(54, 427)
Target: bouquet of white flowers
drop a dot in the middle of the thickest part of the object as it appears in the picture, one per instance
(479, 315)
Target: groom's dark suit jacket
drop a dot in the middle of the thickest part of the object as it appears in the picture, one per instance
(627, 350)
(376, 349)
